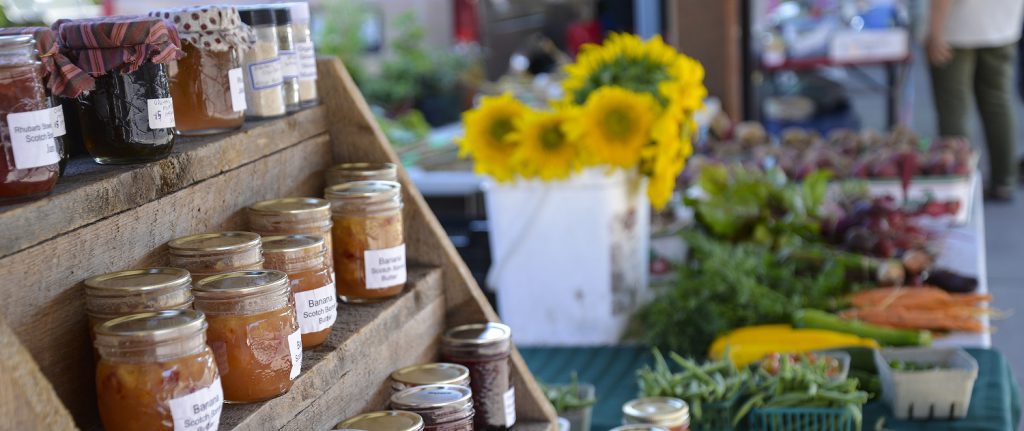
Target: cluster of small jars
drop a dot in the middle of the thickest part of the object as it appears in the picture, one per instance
(472, 390)
(122, 88)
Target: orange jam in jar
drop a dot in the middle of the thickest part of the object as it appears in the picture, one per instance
(209, 254)
(316, 304)
(293, 216)
(157, 373)
(363, 171)
(253, 332)
(121, 293)
(369, 240)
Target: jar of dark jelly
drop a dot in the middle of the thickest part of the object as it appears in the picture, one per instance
(484, 348)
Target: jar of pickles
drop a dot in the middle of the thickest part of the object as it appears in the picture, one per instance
(316, 304)
(438, 373)
(253, 332)
(210, 254)
(29, 160)
(207, 84)
(307, 54)
(121, 293)
(128, 117)
(670, 413)
(156, 373)
(383, 421)
(442, 407)
(369, 240)
(289, 216)
(484, 348)
(362, 171)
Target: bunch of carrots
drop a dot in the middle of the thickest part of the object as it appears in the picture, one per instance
(919, 308)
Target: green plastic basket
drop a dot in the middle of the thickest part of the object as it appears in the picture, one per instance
(802, 419)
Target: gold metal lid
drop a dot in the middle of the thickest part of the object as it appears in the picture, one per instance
(133, 281)
(362, 171)
(241, 284)
(153, 327)
(639, 427)
(206, 243)
(293, 243)
(439, 373)
(476, 334)
(664, 411)
(383, 421)
(448, 397)
(291, 206)
(363, 190)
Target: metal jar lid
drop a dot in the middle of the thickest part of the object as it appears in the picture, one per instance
(663, 411)
(363, 190)
(292, 206)
(241, 284)
(383, 421)
(362, 171)
(138, 290)
(146, 330)
(302, 244)
(478, 334)
(438, 373)
(220, 242)
(639, 427)
(433, 398)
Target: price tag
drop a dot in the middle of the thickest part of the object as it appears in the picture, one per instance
(32, 136)
(161, 113)
(236, 82)
(295, 348)
(265, 74)
(200, 410)
(317, 308)
(307, 60)
(385, 268)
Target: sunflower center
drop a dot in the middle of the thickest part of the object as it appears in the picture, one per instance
(552, 138)
(501, 128)
(617, 123)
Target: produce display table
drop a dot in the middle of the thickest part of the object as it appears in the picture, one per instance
(995, 405)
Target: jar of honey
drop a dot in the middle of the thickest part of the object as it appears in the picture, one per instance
(316, 304)
(369, 240)
(290, 216)
(29, 159)
(121, 293)
(484, 348)
(253, 332)
(443, 408)
(156, 373)
(207, 85)
(128, 116)
(438, 373)
(362, 171)
(209, 254)
(383, 421)
(672, 414)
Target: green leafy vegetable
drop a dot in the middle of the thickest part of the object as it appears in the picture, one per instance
(567, 397)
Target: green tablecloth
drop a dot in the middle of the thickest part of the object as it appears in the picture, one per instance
(995, 405)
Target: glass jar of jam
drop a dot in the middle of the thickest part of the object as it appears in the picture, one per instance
(670, 413)
(369, 240)
(262, 69)
(442, 407)
(29, 160)
(363, 171)
(156, 373)
(484, 348)
(121, 293)
(207, 85)
(307, 54)
(253, 332)
(438, 373)
(316, 304)
(383, 421)
(210, 254)
(128, 117)
(291, 216)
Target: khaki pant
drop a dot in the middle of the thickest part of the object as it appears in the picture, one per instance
(986, 76)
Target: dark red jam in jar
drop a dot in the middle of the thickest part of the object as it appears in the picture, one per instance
(484, 348)
(442, 407)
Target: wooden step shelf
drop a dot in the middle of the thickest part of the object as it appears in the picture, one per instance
(107, 218)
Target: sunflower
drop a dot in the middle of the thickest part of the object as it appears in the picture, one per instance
(666, 158)
(490, 132)
(546, 148)
(615, 125)
(624, 60)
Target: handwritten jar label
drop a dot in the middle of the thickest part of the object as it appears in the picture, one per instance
(295, 348)
(236, 82)
(161, 113)
(307, 60)
(32, 137)
(385, 268)
(200, 410)
(265, 74)
(317, 308)
(289, 64)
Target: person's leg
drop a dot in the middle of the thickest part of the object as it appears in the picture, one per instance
(993, 81)
(952, 84)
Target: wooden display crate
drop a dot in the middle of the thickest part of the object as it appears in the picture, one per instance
(108, 218)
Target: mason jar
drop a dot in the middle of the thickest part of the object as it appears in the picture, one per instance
(670, 413)
(121, 293)
(383, 421)
(442, 407)
(316, 304)
(485, 348)
(210, 254)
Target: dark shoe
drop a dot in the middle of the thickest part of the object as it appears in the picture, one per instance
(999, 194)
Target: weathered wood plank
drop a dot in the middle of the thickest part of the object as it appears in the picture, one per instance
(43, 303)
(27, 400)
(347, 375)
(91, 191)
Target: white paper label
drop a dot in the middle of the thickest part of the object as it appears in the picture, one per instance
(510, 407)
(317, 308)
(57, 117)
(307, 60)
(265, 74)
(295, 348)
(385, 268)
(161, 113)
(32, 136)
(200, 410)
(289, 64)
(236, 82)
